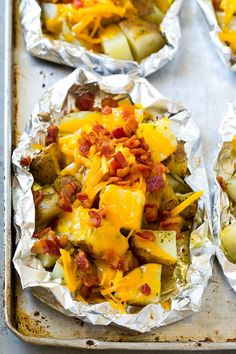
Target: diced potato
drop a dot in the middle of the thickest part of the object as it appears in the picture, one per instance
(144, 38)
(169, 199)
(52, 22)
(191, 210)
(47, 260)
(115, 44)
(156, 16)
(105, 274)
(58, 271)
(124, 207)
(45, 166)
(63, 180)
(177, 184)
(160, 138)
(48, 208)
(178, 162)
(162, 250)
(94, 240)
(228, 239)
(231, 188)
(74, 121)
(128, 287)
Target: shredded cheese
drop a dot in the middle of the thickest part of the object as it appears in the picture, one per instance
(179, 208)
(70, 271)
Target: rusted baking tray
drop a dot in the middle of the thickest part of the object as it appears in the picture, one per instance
(213, 328)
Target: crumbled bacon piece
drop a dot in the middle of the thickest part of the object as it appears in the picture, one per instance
(49, 243)
(82, 196)
(67, 193)
(151, 212)
(118, 133)
(147, 235)
(82, 261)
(144, 145)
(137, 151)
(172, 224)
(122, 172)
(145, 289)
(120, 160)
(114, 179)
(143, 168)
(131, 125)
(42, 233)
(84, 147)
(132, 143)
(85, 101)
(78, 3)
(106, 110)
(98, 128)
(25, 161)
(154, 183)
(38, 196)
(90, 280)
(94, 218)
(222, 183)
(109, 101)
(127, 112)
(53, 246)
(52, 133)
(105, 149)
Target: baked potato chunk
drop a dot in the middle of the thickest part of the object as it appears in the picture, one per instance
(169, 199)
(191, 210)
(155, 16)
(144, 38)
(61, 181)
(178, 163)
(47, 208)
(140, 287)
(45, 166)
(228, 240)
(163, 250)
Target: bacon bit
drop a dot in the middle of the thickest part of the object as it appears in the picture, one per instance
(147, 235)
(118, 133)
(82, 196)
(48, 244)
(122, 172)
(82, 261)
(53, 246)
(84, 148)
(154, 183)
(106, 110)
(52, 133)
(137, 151)
(114, 179)
(95, 219)
(120, 160)
(151, 212)
(38, 196)
(42, 233)
(66, 195)
(159, 168)
(63, 241)
(145, 289)
(124, 183)
(85, 101)
(109, 101)
(132, 143)
(78, 3)
(144, 145)
(172, 224)
(127, 112)
(131, 125)
(143, 168)
(41, 247)
(98, 128)
(144, 157)
(25, 161)
(105, 149)
(222, 183)
(90, 280)
(111, 259)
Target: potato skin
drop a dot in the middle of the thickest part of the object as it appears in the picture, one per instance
(191, 210)
(45, 166)
(48, 208)
(177, 163)
(169, 200)
(63, 180)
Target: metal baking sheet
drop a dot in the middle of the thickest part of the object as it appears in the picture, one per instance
(27, 78)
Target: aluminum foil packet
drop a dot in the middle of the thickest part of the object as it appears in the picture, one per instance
(224, 166)
(225, 53)
(57, 102)
(58, 51)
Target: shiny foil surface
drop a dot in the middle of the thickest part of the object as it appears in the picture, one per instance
(224, 166)
(225, 53)
(56, 103)
(62, 52)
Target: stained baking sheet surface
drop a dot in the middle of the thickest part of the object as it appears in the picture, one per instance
(195, 77)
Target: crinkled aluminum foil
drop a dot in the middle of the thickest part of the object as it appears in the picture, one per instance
(224, 166)
(62, 52)
(58, 101)
(224, 51)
